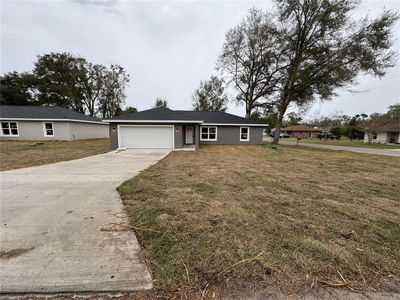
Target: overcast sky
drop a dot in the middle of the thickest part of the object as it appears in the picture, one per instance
(166, 47)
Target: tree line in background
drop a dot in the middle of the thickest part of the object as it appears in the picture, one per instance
(341, 125)
(69, 81)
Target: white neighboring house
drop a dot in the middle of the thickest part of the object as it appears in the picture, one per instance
(389, 134)
(42, 123)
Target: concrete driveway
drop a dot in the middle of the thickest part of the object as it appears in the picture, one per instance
(63, 228)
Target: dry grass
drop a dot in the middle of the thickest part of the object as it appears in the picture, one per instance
(251, 217)
(345, 142)
(22, 154)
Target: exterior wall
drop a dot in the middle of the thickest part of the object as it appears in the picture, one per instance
(63, 131)
(381, 138)
(113, 132)
(33, 131)
(196, 136)
(225, 134)
(178, 132)
(82, 131)
(230, 135)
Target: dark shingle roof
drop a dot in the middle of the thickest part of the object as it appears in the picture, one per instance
(43, 113)
(166, 114)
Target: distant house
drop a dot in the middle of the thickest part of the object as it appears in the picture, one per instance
(48, 123)
(388, 134)
(302, 131)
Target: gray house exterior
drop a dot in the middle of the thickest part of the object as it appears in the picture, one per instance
(45, 123)
(178, 129)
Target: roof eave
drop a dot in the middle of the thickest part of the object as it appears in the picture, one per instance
(50, 119)
(152, 121)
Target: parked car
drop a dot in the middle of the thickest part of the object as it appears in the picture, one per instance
(284, 135)
(281, 135)
(330, 136)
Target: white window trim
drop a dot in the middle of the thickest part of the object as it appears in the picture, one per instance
(248, 134)
(9, 127)
(44, 129)
(209, 140)
(170, 126)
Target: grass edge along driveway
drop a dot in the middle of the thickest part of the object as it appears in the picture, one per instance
(250, 216)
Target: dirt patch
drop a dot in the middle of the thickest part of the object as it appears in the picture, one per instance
(14, 253)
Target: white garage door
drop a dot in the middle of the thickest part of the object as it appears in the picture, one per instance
(146, 136)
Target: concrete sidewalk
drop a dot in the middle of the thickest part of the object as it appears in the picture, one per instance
(389, 152)
(63, 228)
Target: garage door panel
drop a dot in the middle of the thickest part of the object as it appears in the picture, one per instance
(146, 137)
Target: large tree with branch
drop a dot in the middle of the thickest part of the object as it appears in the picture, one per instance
(250, 59)
(313, 49)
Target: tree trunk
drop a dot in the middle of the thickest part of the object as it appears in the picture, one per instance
(278, 127)
(248, 110)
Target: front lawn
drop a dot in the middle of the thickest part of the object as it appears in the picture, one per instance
(22, 154)
(344, 142)
(248, 217)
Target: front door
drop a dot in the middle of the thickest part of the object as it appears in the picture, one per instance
(189, 130)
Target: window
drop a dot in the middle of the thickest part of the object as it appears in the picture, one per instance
(208, 133)
(9, 128)
(48, 129)
(244, 134)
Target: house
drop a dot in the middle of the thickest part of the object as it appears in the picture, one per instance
(178, 129)
(389, 133)
(48, 123)
(302, 131)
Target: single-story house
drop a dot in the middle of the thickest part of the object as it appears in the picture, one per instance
(302, 131)
(179, 129)
(388, 134)
(48, 123)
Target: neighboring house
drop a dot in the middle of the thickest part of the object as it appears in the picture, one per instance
(302, 131)
(48, 123)
(177, 129)
(388, 134)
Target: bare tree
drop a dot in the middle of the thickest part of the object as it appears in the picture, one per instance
(250, 58)
(305, 51)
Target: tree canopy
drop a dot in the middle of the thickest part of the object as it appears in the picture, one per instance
(160, 102)
(305, 50)
(210, 96)
(68, 81)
